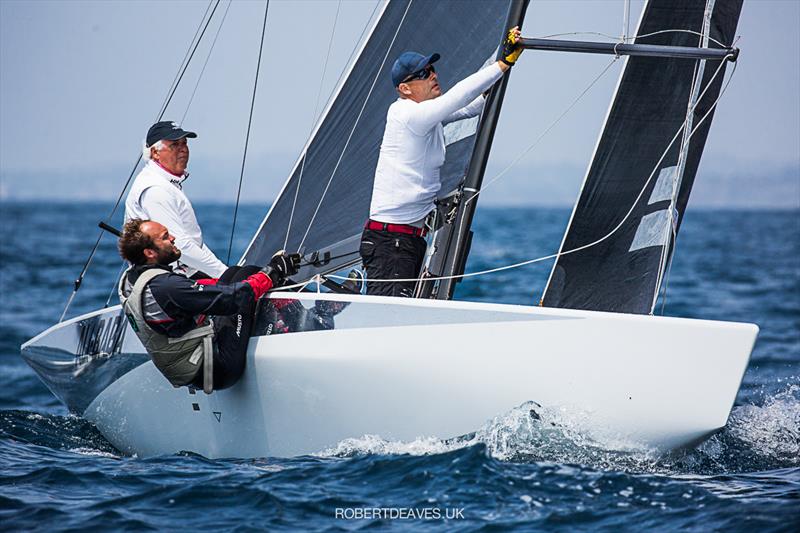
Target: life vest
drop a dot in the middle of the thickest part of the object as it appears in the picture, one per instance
(178, 359)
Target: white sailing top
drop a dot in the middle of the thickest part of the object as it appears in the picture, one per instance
(413, 149)
(156, 195)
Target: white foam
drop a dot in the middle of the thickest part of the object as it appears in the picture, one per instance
(771, 430)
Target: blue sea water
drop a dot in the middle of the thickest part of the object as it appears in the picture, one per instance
(58, 473)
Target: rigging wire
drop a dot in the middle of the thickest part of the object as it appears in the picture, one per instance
(164, 104)
(632, 37)
(674, 233)
(208, 56)
(114, 286)
(355, 124)
(544, 133)
(313, 122)
(610, 233)
(580, 96)
(249, 124)
(334, 91)
(697, 82)
(626, 16)
(182, 69)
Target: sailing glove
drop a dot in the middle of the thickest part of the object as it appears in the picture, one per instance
(511, 48)
(281, 266)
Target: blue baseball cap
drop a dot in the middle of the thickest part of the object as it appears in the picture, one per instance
(408, 63)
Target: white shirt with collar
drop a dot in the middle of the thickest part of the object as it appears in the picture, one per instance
(413, 148)
(157, 195)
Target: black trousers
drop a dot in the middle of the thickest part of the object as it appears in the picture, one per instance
(231, 335)
(392, 256)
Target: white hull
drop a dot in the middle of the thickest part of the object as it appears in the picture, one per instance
(403, 369)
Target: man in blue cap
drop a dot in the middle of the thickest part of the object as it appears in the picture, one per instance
(157, 194)
(413, 150)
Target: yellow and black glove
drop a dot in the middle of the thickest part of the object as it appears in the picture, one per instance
(511, 48)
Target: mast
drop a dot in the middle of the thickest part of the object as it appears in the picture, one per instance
(454, 250)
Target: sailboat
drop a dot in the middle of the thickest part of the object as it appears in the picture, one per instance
(593, 350)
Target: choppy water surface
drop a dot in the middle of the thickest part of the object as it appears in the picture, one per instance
(58, 472)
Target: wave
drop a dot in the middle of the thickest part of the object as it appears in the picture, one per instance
(756, 438)
(69, 432)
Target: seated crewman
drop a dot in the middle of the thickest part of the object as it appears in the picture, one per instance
(188, 325)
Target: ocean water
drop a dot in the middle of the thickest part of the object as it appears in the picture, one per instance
(58, 473)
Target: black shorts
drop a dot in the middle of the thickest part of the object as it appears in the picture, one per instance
(392, 256)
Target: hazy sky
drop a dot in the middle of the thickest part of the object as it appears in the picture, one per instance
(80, 83)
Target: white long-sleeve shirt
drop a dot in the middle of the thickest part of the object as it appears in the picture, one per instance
(413, 149)
(157, 195)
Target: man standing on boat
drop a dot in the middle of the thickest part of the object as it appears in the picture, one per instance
(412, 152)
(157, 194)
(170, 313)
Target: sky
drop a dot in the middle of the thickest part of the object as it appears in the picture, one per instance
(80, 83)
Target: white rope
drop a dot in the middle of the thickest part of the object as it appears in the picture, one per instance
(355, 124)
(313, 123)
(610, 233)
(298, 286)
(543, 134)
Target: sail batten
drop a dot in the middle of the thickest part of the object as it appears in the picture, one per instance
(643, 169)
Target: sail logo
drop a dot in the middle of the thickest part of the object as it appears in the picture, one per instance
(653, 229)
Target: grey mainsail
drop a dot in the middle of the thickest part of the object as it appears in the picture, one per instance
(325, 202)
(623, 272)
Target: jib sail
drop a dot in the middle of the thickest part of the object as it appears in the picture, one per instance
(657, 99)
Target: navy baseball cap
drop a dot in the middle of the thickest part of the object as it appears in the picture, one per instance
(408, 63)
(167, 131)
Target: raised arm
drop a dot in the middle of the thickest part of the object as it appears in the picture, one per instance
(431, 112)
(453, 105)
(472, 109)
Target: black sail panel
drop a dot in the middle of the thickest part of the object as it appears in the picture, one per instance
(329, 209)
(622, 272)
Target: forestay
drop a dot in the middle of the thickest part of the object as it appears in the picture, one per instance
(325, 201)
(623, 272)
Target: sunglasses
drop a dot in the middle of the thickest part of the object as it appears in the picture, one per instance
(423, 74)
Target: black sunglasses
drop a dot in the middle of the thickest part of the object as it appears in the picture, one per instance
(423, 74)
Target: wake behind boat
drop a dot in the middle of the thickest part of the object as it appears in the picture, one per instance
(596, 352)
